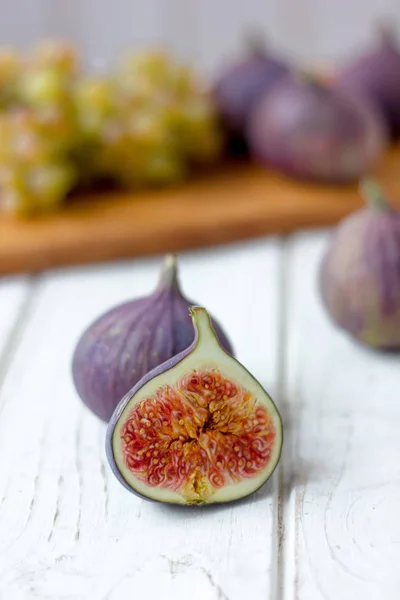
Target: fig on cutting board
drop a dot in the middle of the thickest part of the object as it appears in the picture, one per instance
(311, 131)
(198, 429)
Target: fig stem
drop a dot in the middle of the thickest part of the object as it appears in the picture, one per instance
(373, 195)
(386, 32)
(169, 273)
(255, 42)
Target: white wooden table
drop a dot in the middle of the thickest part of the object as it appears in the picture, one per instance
(327, 526)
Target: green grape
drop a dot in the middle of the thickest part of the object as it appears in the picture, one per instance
(5, 135)
(95, 103)
(55, 55)
(141, 70)
(97, 113)
(157, 168)
(148, 131)
(10, 62)
(164, 167)
(18, 139)
(13, 193)
(183, 83)
(35, 189)
(111, 150)
(59, 126)
(44, 87)
(27, 135)
(10, 67)
(200, 136)
(50, 183)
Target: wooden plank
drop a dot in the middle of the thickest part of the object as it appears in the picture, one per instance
(341, 485)
(67, 528)
(229, 205)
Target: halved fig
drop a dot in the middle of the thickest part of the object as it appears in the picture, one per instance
(198, 429)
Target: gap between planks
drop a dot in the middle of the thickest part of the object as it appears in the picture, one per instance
(16, 331)
(277, 589)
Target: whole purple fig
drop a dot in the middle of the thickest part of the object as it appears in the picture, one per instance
(376, 75)
(310, 131)
(359, 275)
(240, 84)
(130, 340)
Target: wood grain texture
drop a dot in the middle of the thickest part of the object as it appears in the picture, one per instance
(230, 205)
(340, 488)
(68, 530)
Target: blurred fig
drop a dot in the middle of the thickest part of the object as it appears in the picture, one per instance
(310, 131)
(376, 74)
(359, 275)
(240, 84)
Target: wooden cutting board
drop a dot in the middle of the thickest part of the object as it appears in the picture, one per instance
(238, 201)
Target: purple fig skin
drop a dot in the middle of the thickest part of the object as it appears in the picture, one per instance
(129, 340)
(239, 86)
(309, 131)
(359, 277)
(377, 76)
(169, 364)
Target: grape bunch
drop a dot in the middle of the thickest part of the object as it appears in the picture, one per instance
(147, 122)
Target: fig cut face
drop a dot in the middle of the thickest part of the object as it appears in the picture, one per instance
(198, 429)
